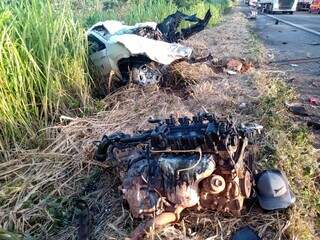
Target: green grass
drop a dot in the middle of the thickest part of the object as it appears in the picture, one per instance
(42, 67)
(288, 146)
(152, 10)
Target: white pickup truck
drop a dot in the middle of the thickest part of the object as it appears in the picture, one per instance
(278, 6)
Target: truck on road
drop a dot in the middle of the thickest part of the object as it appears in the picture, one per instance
(304, 5)
(278, 6)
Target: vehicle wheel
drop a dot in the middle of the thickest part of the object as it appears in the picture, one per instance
(291, 12)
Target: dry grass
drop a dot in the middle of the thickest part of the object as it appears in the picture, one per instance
(230, 39)
(39, 188)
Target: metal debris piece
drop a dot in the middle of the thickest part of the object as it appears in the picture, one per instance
(182, 163)
(234, 65)
(314, 101)
(170, 25)
(239, 65)
(314, 122)
(231, 72)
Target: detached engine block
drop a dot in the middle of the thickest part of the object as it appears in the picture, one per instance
(201, 162)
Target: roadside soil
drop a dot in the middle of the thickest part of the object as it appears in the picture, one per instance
(64, 171)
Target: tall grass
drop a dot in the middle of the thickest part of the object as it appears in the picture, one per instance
(43, 55)
(42, 67)
(156, 10)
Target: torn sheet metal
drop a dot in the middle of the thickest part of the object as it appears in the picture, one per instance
(118, 46)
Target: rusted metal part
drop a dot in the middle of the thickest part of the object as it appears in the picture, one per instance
(181, 168)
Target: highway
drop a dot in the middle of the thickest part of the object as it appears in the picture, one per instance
(304, 19)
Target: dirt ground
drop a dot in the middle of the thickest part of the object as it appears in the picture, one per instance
(64, 172)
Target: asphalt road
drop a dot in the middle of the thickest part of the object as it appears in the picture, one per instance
(304, 19)
(285, 42)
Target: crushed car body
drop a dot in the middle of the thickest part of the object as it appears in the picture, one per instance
(136, 52)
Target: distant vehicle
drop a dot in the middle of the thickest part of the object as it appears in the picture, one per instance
(315, 7)
(253, 3)
(278, 6)
(304, 5)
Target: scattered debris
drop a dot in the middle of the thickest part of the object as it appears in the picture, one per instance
(180, 164)
(314, 43)
(83, 216)
(273, 190)
(316, 84)
(242, 106)
(314, 101)
(169, 26)
(305, 110)
(296, 61)
(230, 72)
(245, 233)
(136, 53)
(298, 110)
(235, 65)
(314, 122)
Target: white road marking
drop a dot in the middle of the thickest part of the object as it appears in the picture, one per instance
(295, 25)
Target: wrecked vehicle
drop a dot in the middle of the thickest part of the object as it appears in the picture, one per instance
(136, 53)
(201, 162)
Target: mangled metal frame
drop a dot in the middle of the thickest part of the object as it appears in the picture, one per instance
(136, 53)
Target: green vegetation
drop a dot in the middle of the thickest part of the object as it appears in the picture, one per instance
(43, 69)
(288, 146)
